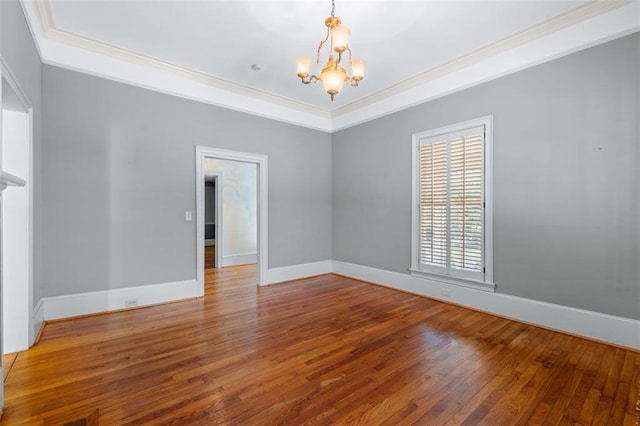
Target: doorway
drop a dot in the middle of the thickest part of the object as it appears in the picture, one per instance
(18, 332)
(16, 219)
(213, 193)
(259, 163)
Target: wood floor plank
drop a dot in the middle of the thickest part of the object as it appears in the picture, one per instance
(322, 350)
(7, 362)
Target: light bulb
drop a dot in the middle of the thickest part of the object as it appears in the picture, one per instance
(333, 80)
(303, 63)
(340, 38)
(357, 69)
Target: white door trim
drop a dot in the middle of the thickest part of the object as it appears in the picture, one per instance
(1, 288)
(203, 152)
(7, 74)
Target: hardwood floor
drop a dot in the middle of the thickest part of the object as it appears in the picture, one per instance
(209, 257)
(9, 359)
(326, 350)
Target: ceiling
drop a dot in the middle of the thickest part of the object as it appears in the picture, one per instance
(406, 44)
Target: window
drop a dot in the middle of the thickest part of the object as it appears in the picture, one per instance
(451, 223)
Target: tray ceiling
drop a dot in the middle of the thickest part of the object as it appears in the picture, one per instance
(405, 43)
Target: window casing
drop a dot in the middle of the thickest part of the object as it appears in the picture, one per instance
(452, 204)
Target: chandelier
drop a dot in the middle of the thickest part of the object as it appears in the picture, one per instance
(333, 76)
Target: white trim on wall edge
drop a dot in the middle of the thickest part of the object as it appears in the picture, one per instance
(607, 328)
(51, 308)
(239, 259)
(8, 76)
(75, 52)
(94, 302)
(618, 19)
(294, 272)
(589, 24)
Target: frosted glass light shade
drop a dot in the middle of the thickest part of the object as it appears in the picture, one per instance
(333, 80)
(357, 69)
(340, 38)
(303, 64)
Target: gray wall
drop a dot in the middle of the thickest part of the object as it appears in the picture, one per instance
(120, 165)
(120, 173)
(19, 52)
(566, 173)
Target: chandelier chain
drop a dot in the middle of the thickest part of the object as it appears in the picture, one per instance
(333, 7)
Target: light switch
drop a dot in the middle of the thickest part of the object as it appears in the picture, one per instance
(187, 216)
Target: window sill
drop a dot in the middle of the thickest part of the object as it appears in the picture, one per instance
(448, 279)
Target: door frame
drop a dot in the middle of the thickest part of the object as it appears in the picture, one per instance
(203, 152)
(7, 75)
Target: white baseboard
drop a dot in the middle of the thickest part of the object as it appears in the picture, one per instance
(288, 273)
(239, 259)
(109, 300)
(38, 319)
(208, 243)
(608, 328)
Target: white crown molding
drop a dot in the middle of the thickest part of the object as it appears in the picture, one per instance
(45, 18)
(565, 20)
(82, 54)
(89, 44)
(585, 26)
(34, 23)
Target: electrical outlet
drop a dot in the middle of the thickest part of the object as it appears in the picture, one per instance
(445, 292)
(130, 303)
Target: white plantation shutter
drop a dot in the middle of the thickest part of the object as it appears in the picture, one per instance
(451, 204)
(465, 194)
(433, 203)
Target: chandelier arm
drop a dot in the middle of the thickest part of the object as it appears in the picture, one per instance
(350, 58)
(308, 79)
(320, 46)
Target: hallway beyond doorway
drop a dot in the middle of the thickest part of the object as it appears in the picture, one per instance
(209, 257)
(229, 276)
